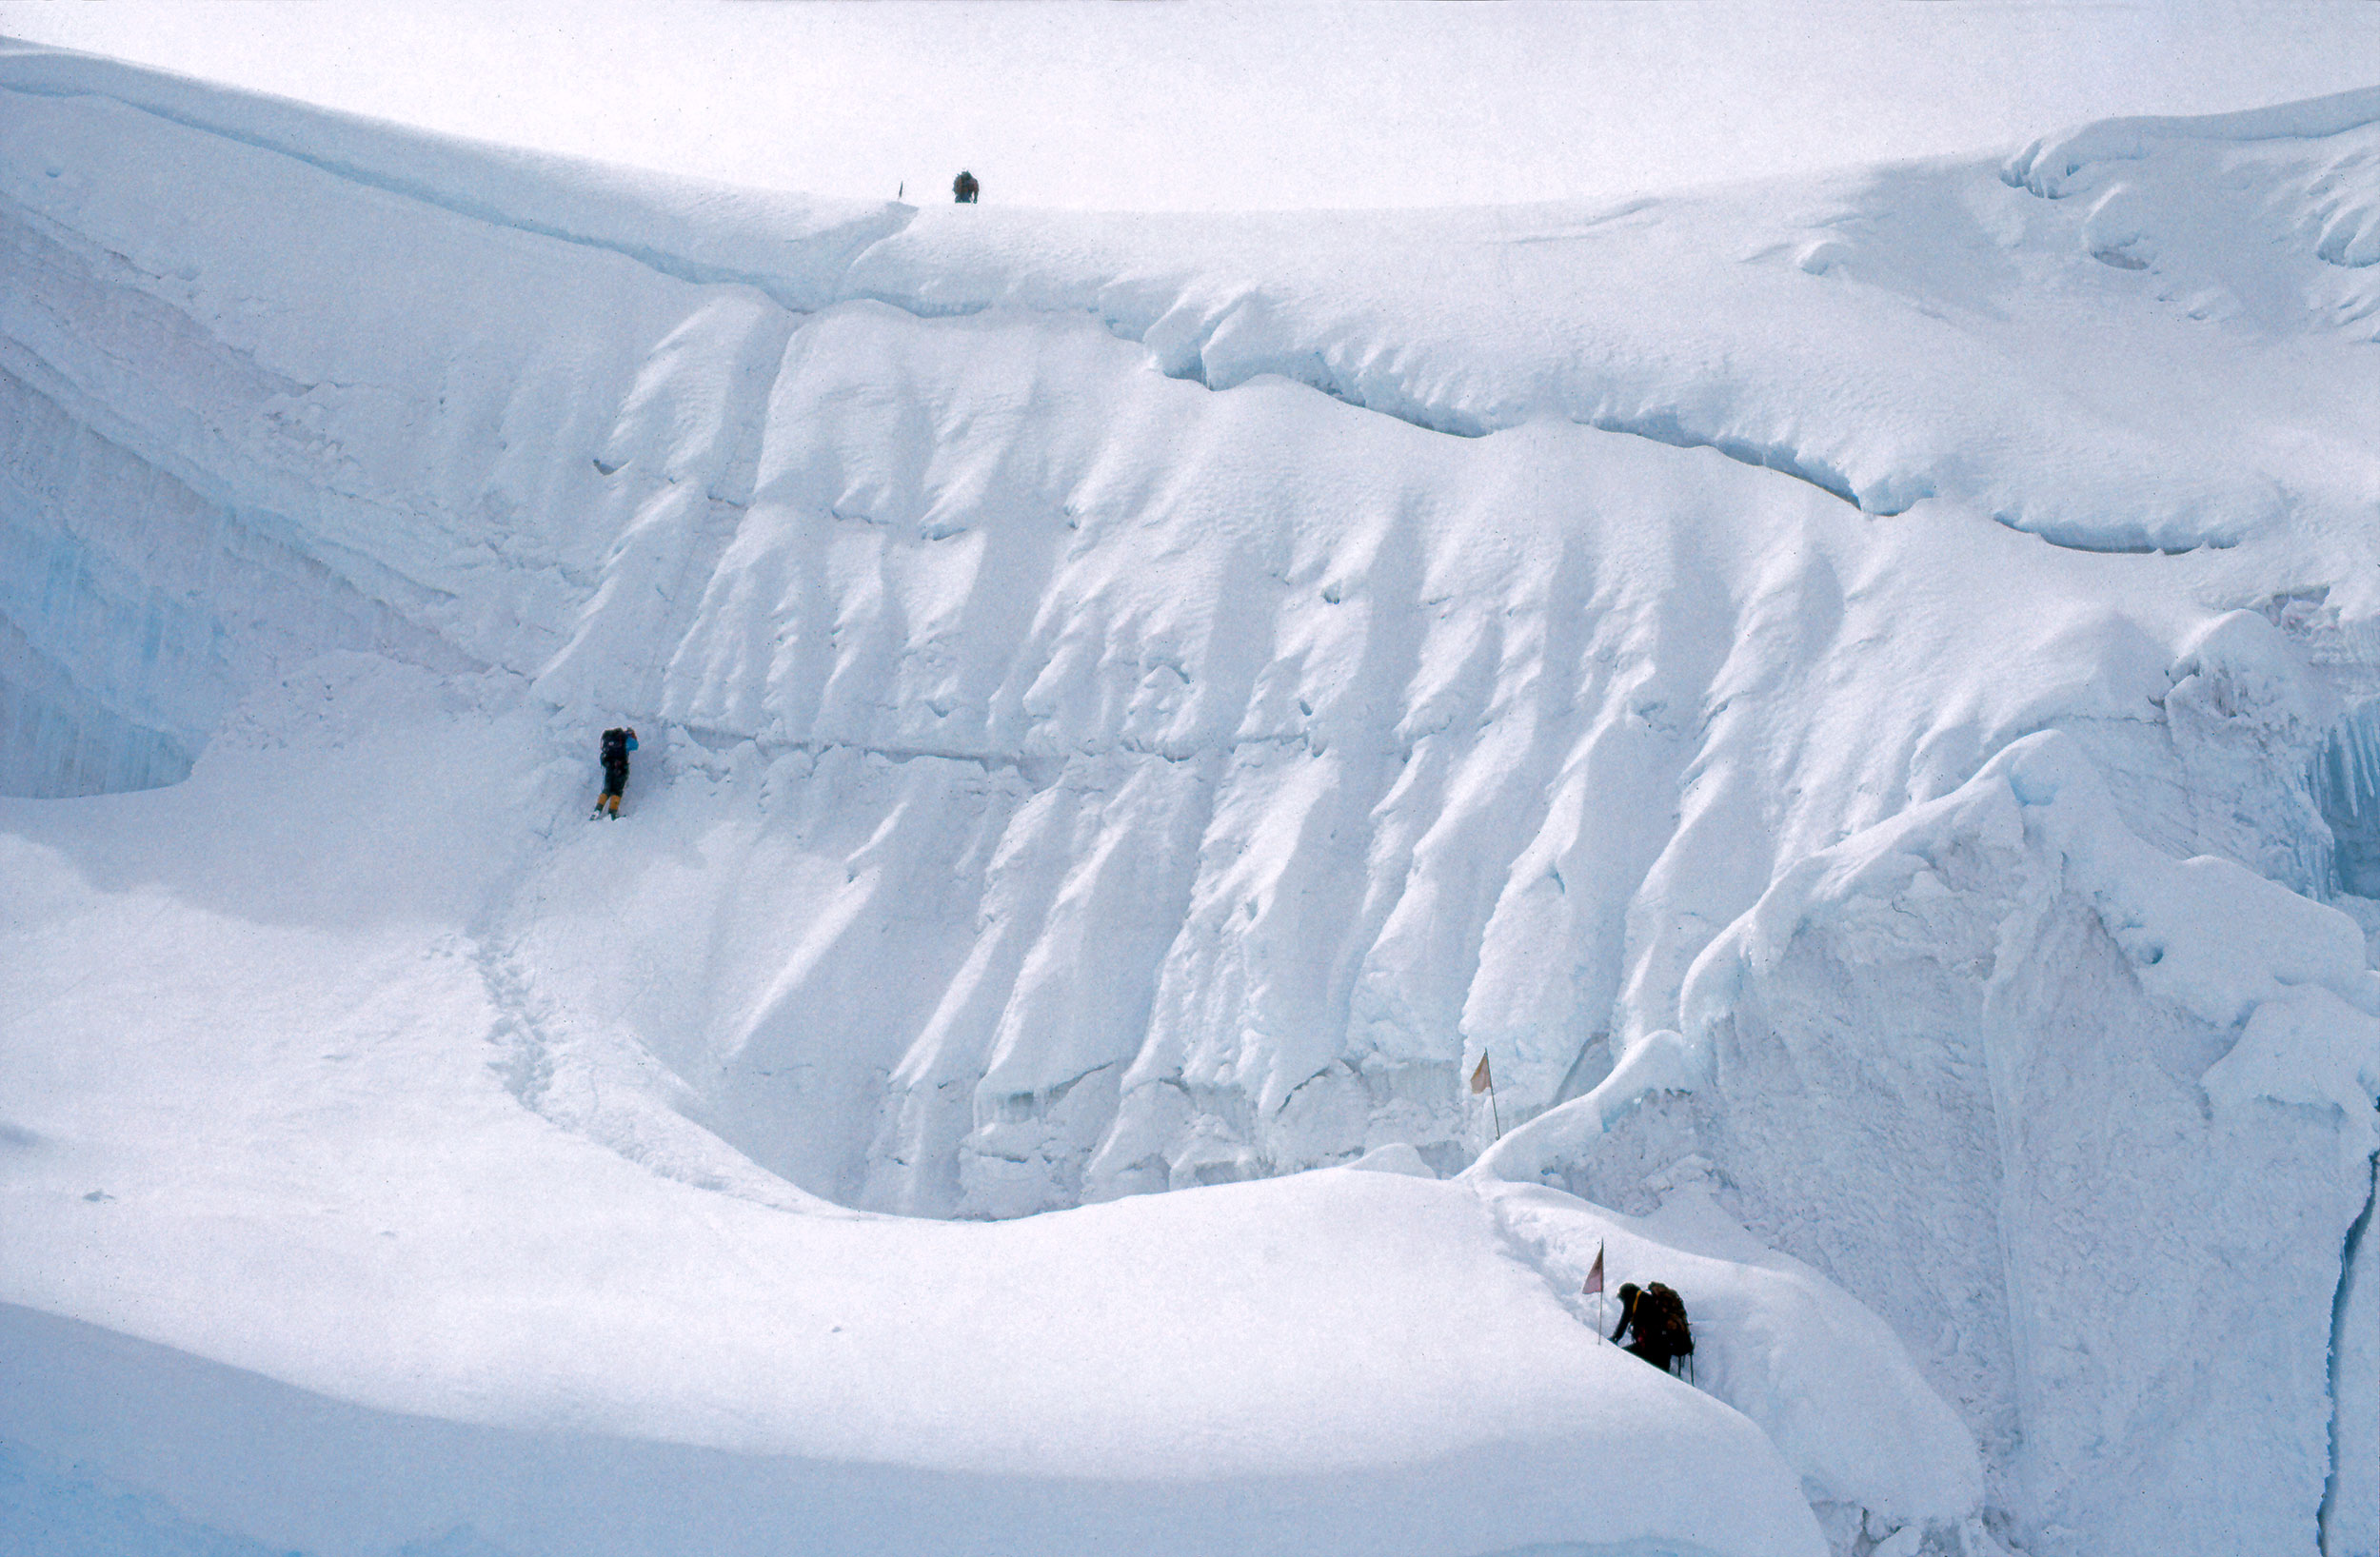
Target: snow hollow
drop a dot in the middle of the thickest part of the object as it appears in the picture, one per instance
(1858, 698)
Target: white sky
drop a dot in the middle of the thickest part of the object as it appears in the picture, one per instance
(1204, 105)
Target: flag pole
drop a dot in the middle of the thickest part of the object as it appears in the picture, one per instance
(1594, 1285)
(1483, 1080)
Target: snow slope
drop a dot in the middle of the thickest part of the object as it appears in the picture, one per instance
(1081, 759)
(274, 1119)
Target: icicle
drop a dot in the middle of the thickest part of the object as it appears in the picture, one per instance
(2346, 788)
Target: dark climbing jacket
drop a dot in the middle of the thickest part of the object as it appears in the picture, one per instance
(963, 189)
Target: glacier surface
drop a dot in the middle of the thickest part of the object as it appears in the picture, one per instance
(1856, 697)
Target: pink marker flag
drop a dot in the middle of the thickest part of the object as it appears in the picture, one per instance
(1480, 1077)
(1595, 1277)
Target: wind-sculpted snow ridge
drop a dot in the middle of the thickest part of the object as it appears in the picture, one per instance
(2338, 201)
(1080, 758)
(1889, 335)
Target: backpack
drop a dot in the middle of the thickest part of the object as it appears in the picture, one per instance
(1661, 1322)
(615, 747)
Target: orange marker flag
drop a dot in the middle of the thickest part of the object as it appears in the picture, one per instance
(1480, 1080)
(1595, 1277)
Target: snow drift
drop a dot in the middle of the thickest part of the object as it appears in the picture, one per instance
(1139, 704)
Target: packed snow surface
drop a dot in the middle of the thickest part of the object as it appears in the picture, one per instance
(1858, 698)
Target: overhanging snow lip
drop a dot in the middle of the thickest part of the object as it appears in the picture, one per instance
(2116, 541)
(2043, 166)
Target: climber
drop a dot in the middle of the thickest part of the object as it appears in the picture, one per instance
(963, 189)
(616, 747)
(1659, 1317)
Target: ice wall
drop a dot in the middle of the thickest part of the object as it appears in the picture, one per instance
(134, 611)
(2008, 1004)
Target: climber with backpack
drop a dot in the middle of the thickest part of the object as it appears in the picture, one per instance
(1659, 1316)
(616, 746)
